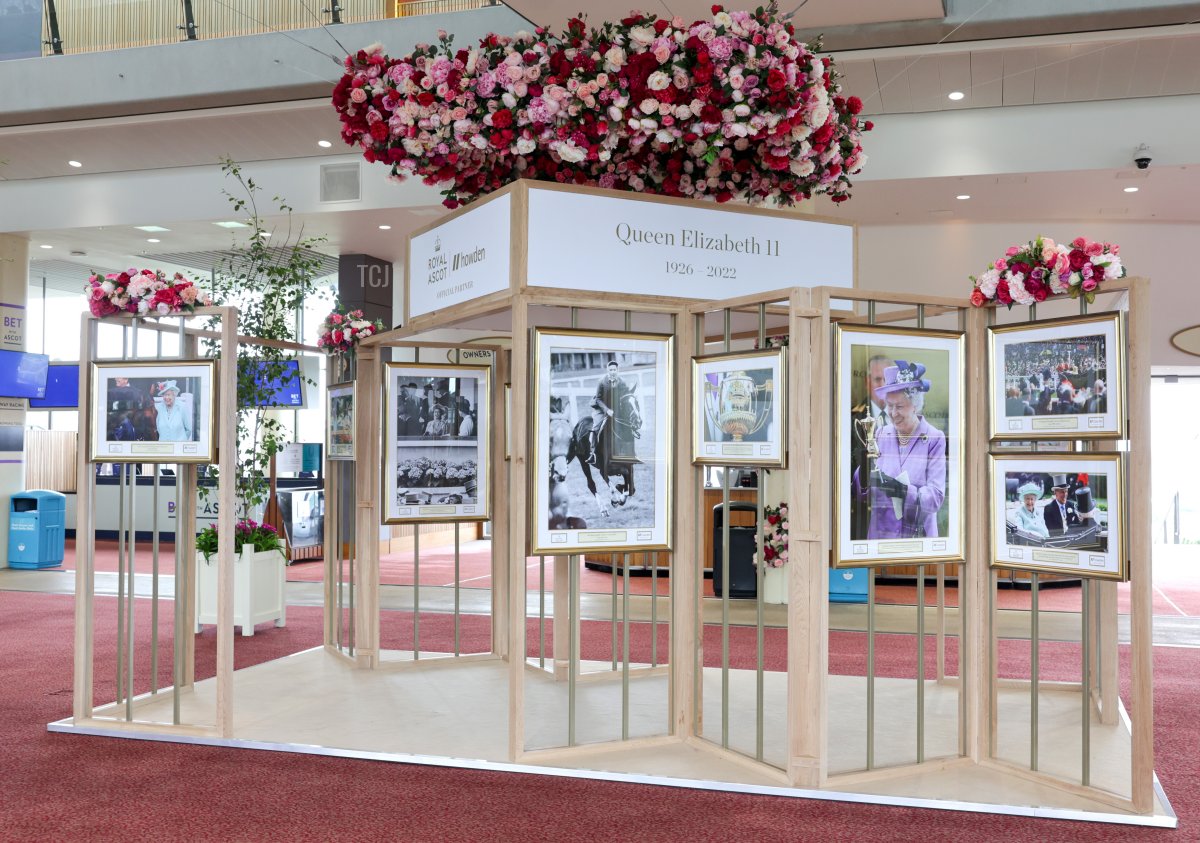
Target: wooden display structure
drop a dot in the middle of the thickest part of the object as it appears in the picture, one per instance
(518, 299)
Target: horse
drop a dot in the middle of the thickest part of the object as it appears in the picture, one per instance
(560, 459)
(624, 427)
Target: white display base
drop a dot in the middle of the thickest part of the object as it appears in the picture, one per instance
(775, 585)
(451, 719)
(258, 583)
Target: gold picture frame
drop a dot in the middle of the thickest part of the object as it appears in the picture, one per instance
(854, 513)
(577, 523)
(339, 450)
(749, 417)
(123, 412)
(1097, 551)
(445, 502)
(1109, 420)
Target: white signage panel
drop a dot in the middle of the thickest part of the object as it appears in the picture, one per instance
(461, 260)
(587, 242)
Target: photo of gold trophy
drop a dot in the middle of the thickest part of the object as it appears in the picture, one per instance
(865, 430)
(737, 406)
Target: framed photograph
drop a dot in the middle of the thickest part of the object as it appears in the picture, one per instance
(1062, 514)
(739, 409)
(1056, 446)
(898, 454)
(435, 443)
(154, 411)
(1058, 378)
(339, 415)
(602, 439)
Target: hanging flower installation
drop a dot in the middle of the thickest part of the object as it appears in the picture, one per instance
(727, 108)
(342, 331)
(1042, 268)
(775, 536)
(144, 292)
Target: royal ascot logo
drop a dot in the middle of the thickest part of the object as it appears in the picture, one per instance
(437, 243)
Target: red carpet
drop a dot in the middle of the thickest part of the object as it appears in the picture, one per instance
(64, 787)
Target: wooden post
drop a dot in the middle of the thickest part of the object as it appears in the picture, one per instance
(975, 578)
(686, 565)
(1140, 547)
(562, 620)
(367, 418)
(227, 497)
(332, 550)
(808, 544)
(85, 535)
(519, 525)
(502, 509)
(185, 528)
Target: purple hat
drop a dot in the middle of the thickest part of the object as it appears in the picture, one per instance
(903, 375)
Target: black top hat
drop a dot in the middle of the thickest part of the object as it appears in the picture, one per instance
(1060, 481)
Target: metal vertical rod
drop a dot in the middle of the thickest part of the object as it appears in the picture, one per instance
(759, 574)
(574, 317)
(121, 581)
(180, 610)
(1085, 686)
(725, 577)
(698, 583)
(654, 610)
(871, 312)
(542, 612)
(1083, 305)
(416, 592)
(573, 643)
(154, 561)
(1033, 672)
(130, 603)
(920, 316)
(352, 560)
(340, 575)
(625, 651)
(871, 668)
(457, 604)
(920, 663)
(612, 613)
(1033, 312)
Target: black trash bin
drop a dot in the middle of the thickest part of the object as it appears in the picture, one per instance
(743, 583)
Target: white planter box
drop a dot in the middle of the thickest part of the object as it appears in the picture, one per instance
(775, 585)
(258, 580)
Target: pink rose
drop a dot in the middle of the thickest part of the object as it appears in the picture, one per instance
(1089, 284)
(358, 95)
(1093, 249)
(1001, 264)
(1079, 243)
(1010, 251)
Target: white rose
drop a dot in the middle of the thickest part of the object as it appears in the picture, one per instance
(642, 36)
(614, 59)
(664, 136)
(570, 152)
(818, 116)
(658, 81)
(722, 19)
(614, 113)
(649, 106)
(525, 146)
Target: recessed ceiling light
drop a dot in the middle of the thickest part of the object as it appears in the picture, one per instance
(47, 246)
(151, 228)
(963, 196)
(385, 228)
(75, 163)
(1131, 190)
(956, 95)
(231, 224)
(153, 240)
(324, 144)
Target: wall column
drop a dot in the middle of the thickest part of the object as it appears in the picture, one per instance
(14, 290)
(365, 283)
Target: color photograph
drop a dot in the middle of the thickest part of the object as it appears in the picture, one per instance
(436, 442)
(1058, 378)
(340, 417)
(153, 411)
(898, 465)
(1058, 514)
(601, 450)
(739, 409)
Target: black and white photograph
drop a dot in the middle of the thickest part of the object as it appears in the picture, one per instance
(898, 461)
(739, 409)
(153, 411)
(340, 418)
(1058, 514)
(1057, 378)
(435, 442)
(303, 514)
(601, 441)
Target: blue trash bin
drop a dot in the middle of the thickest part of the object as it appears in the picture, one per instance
(36, 529)
(848, 585)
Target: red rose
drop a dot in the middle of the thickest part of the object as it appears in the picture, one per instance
(1039, 292)
(978, 298)
(379, 131)
(710, 114)
(425, 99)
(775, 79)
(717, 9)
(502, 119)
(1002, 294)
(1077, 259)
(868, 126)
(854, 105)
(660, 25)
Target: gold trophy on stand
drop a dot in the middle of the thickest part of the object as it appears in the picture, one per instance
(865, 430)
(735, 407)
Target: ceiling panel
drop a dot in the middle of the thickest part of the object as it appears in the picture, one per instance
(987, 79)
(1083, 72)
(1182, 75)
(925, 84)
(954, 72)
(893, 85)
(1050, 76)
(1149, 69)
(858, 79)
(1115, 75)
(1019, 75)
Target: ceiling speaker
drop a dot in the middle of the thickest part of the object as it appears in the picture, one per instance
(340, 183)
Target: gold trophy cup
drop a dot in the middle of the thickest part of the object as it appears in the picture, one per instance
(865, 430)
(735, 407)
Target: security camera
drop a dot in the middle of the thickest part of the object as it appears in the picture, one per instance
(1141, 157)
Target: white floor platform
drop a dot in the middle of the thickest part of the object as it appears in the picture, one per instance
(454, 713)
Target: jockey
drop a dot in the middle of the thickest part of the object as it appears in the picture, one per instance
(603, 403)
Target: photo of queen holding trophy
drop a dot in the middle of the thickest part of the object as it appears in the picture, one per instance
(904, 475)
(739, 409)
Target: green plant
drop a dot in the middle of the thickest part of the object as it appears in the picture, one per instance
(262, 537)
(269, 285)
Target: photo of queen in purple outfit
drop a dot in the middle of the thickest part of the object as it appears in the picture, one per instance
(905, 486)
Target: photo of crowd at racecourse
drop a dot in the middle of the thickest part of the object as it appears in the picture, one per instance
(1057, 377)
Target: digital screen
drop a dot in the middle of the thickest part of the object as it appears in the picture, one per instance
(62, 388)
(23, 375)
(285, 389)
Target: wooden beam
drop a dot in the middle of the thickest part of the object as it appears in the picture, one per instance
(368, 495)
(975, 576)
(890, 297)
(748, 300)
(227, 498)
(555, 297)
(686, 565)
(518, 490)
(85, 533)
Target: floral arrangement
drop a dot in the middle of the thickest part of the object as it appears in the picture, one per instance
(342, 331)
(1042, 268)
(262, 537)
(143, 292)
(724, 108)
(422, 472)
(775, 536)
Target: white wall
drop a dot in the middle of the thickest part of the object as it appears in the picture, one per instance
(937, 259)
